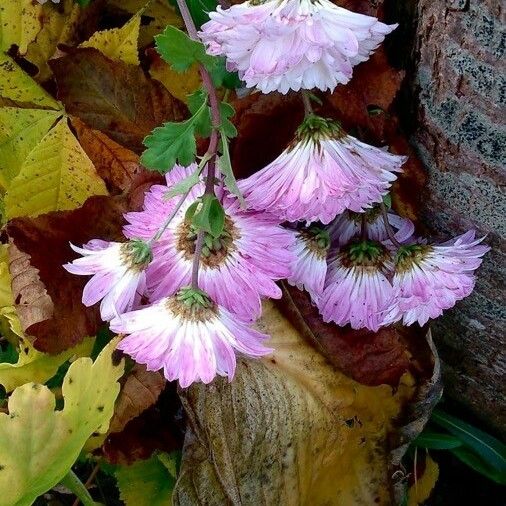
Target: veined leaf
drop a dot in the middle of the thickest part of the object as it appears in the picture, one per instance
(119, 44)
(57, 175)
(147, 482)
(437, 441)
(20, 21)
(474, 461)
(17, 85)
(39, 444)
(20, 132)
(490, 449)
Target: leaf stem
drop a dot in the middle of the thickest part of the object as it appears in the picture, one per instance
(213, 141)
(306, 100)
(388, 227)
(73, 483)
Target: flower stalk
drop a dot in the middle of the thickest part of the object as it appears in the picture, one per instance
(388, 227)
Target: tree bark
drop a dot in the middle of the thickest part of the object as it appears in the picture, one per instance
(459, 92)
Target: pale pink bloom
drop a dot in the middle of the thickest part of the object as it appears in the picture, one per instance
(311, 247)
(321, 175)
(431, 278)
(348, 226)
(118, 274)
(191, 340)
(357, 289)
(292, 44)
(237, 269)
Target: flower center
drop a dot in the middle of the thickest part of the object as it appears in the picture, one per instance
(369, 254)
(315, 128)
(135, 254)
(215, 250)
(317, 240)
(411, 254)
(192, 304)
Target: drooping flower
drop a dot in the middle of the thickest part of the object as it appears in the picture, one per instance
(431, 278)
(188, 336)
(118, 273)
(311, 247)
(347, 226)
(292, 44)
(237, 268)
(323, 173)
(357, 289)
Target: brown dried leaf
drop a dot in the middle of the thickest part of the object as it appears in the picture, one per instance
(113, 97)
(140, 391)
(117, 165)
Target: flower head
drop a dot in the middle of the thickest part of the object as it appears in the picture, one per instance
(431, 278)
(292, 44)
(118, 274)
(347, 226)
(311, 247)
(357, 290)
(189, 337)
(237, 268)
(323, 173)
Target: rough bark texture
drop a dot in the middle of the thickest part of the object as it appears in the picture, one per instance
(460, 94)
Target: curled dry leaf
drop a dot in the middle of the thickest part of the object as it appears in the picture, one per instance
(290, 429)
(140, 391)
(113, 97)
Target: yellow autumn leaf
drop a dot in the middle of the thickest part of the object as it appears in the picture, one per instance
(420, 491)
(119, 44)
(179, 84)
(56, 175)
(39, 444)
(20, 21)
(10, 326)
(17, 85)
(20, 131)
(59, 26)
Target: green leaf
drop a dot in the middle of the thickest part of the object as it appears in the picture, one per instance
(185, 185)
(490, 449)
(437, 441)
(221, 76)
(227, 127)
(147, 482)
(190, 212)
(180, 51)
(196, 102)
(210, 217)
(225, 166)
(468, 457)
(387, 200)
(42, 443)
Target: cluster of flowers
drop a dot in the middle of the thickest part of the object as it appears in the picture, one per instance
(361, 264)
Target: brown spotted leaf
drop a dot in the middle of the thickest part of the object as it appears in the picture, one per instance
(113, 97)
(140, 391)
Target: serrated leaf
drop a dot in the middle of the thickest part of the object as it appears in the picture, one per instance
(42, 443)
(20, 21)
(227, 127)
(210, 217)
(184, 186)
(436, 441)
(197, 103)
(65, 177)
(20, 132)
(119, 44)
(225, 166)
(146, 483)
(37, 367)
(180, 51)
(17, 85)
(490, 449)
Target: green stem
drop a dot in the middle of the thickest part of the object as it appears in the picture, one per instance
(73, 483)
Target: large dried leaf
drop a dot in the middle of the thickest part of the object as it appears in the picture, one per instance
(20, 21)
(39, 444)
(64, 174)
(140, 391)
(116, 165)
(289, 429)
(113, 97)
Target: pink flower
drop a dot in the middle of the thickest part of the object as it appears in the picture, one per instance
(311, 247)
(357, 289)
(348, 226)
(431, 278)
(292, 44)
(189, 337)
(237, 269)
(321, 175)
(118, 270)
